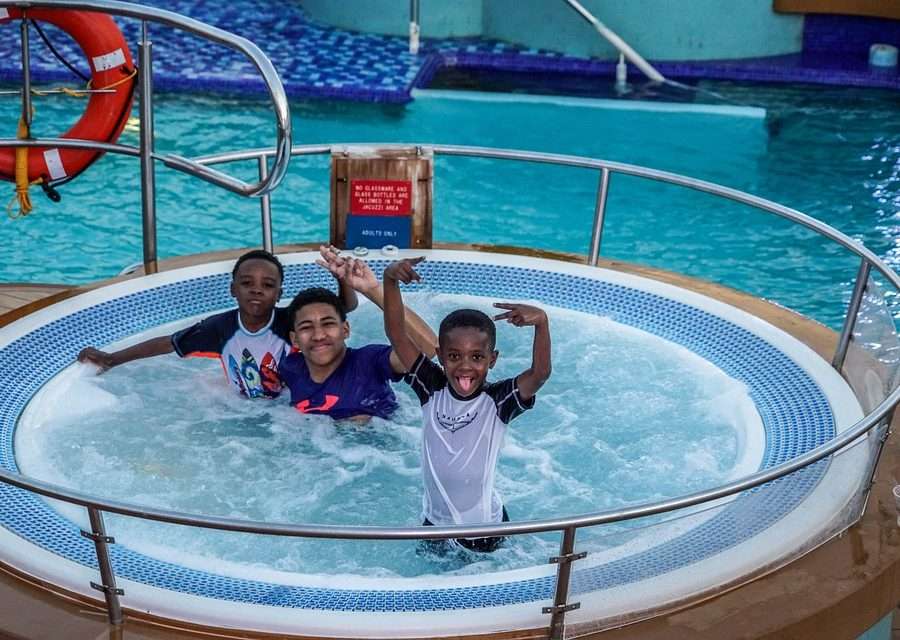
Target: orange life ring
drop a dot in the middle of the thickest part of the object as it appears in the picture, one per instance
(106, 113)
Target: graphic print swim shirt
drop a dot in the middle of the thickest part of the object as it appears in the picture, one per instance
(250, 359)
(461, 440)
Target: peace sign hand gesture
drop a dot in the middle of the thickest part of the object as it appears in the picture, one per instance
(355, 273)
(521, 315)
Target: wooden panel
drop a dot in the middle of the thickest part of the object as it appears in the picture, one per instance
(413, 164)
(13, 296)
(873, 8)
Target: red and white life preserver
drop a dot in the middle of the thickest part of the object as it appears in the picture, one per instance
(106, 113)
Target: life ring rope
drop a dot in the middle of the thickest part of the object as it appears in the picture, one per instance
(23, 132)
(115, 84)
(22, 183)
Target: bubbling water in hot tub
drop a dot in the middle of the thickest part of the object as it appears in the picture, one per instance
(626, 417)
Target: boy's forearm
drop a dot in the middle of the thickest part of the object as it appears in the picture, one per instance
(348, 295)
(394, 313)
(146, 349)
(534, 378)
(540, 352)
(375, 295)
(395, 325)
(416, 328)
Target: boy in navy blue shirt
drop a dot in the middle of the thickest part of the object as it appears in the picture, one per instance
(324, 375)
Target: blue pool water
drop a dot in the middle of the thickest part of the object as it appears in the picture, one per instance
(834, 154)
(666, 423)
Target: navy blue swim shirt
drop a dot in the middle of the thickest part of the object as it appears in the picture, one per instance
(359, 386)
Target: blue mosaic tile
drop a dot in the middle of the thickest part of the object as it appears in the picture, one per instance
(320, 61)
(795, 414)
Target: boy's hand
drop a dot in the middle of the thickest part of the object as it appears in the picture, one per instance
(521, 315)
(94, 356)
(403, 270)
(355, 273)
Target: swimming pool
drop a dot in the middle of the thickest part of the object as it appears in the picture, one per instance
(831, 153)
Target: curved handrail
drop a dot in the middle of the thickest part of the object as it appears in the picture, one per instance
(534, 526)
(510, 528)
(249, 49)
(592, 163)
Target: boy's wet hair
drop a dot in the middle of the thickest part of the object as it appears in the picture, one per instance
(469, 318)
(258, 254)
(314, 295)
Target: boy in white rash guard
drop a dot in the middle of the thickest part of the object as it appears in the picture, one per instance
(464, 416)
(250, 341)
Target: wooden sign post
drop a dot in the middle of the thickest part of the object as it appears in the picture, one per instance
(381, 196)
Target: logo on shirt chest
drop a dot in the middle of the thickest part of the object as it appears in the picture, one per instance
(455, 423)
(304, 405)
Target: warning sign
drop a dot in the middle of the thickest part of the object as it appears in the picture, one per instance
(381, 197)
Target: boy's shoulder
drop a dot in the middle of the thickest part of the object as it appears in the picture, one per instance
(498, 386)
(223, 318)
(209, 334)
(293, 361)
(369, 351)
(506, 397)
(371, 364)
(282, 324)
(426, 378)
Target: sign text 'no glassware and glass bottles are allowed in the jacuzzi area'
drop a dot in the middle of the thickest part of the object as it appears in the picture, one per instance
(379, 213)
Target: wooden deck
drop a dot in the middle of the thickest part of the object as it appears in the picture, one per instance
(14, 296)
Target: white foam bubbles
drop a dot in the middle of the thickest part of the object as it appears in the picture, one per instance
(626, 417)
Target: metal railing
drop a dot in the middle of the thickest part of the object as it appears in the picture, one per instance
(621, 46)
(414, 26)
(269, 178)
(566, 526)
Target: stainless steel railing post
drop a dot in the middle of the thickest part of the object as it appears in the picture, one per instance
(564, 562)
(148, 169)
(882, 440)
(599, 217)
(265, 207)
(107, 577)
(414, 28)
(26, 72)
(859, 288)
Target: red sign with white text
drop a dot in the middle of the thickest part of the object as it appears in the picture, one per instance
(381, 197)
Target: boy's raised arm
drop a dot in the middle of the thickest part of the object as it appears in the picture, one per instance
(359, 277)
(347, 295)
(416, 328)
(394, 311)
(523, 315)
(146, 349)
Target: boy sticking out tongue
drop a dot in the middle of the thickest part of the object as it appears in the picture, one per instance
(464, 416)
